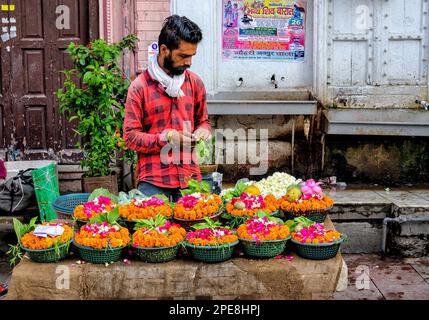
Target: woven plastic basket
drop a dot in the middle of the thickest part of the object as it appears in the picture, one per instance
(321, 251)
(99, 256)
(187, 224)
(158, 255)
(48, 255)
(211, 253)
(264, 249)
(65, 205)
(318, 216)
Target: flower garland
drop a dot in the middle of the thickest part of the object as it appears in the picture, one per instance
(93, 208)
(33, 242)
(248, 205)
(262, 229)
(305, 197)
(211, 237)
(197, 206)
(164, 236)
(145, 209)
(316, 234)
(102, 235)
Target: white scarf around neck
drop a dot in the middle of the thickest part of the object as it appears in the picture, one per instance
(172, 85)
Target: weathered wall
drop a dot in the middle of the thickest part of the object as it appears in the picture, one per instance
(387, 161)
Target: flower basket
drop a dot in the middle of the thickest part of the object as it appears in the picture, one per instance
(65, 205)
(265, 248)
(234, 221)
(187, 224)
(318, 216)
(48, 255)
(99, 256)
(211, 254)
(320, 251)
(158, 254)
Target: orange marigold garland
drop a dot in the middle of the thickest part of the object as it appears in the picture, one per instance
(197, 206)
(94, 208)
(305, 198)
(102, 235)
(211, 237)
(316, 234)
(145, 209)
(163, 236)
(249, 205)
(34, 242)
(262, 229)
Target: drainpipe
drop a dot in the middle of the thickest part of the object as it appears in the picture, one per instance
(400, 219)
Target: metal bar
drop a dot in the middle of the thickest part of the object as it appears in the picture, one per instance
(261, 108)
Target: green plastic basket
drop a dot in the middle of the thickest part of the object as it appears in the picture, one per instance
(99, 256)
(318, 216)
(211, 253)
(158, 255)
(65, 205)
(46, 189)
(48, 255)
(264, 249)
(320, 251)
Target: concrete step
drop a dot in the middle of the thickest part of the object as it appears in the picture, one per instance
(360, 214)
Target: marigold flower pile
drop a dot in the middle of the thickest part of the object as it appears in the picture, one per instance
(301, 206)
(94, 208)
(262, 229)
(197, 206)
(316, 234)
(252, 204)
(33, 242)
(211, 237)
(102, 235)
(164, 236)
(145, 209)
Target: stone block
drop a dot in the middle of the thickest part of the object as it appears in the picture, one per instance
(364, 237)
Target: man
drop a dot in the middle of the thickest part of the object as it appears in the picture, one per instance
(166, 111)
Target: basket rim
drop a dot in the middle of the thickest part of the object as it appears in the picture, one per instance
(343, 238)
(187, 244)
(98, 250)
(127, 220)
(198, 220)
(157, 248)
(67, 196)
(309, 211)
(46, 250)
(265, 241)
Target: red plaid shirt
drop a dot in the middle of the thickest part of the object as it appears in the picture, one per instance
(148, 112)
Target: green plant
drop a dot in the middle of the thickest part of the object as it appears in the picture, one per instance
(151, 223)
(209, 224)
(298, 223)
(20, 229)
(97, 106)
(195, 186)
(236, 192)
(206, 151)
(105, 193)
(110, 217)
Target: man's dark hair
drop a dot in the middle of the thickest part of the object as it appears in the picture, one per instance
(176, 29)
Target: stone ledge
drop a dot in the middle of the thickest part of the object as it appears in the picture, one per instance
(239, 278)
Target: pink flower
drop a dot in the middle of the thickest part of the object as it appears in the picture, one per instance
(310, 189)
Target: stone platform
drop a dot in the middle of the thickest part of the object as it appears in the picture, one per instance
(238, 278)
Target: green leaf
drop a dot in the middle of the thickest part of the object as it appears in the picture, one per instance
(113, 215)
(18, 227)
(103, 192)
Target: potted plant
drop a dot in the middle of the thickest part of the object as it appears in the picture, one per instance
(97, 107)
(157, 239)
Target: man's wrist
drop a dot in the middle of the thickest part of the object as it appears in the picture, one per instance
(170, 136)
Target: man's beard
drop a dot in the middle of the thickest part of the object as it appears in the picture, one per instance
(176, 71)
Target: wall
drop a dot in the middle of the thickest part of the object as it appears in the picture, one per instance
(221, 75)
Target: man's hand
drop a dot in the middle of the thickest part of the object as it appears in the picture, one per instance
(178, 137)
(201, 134)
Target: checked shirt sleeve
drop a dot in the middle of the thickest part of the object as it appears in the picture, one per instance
(134, 137)
(201, 119)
